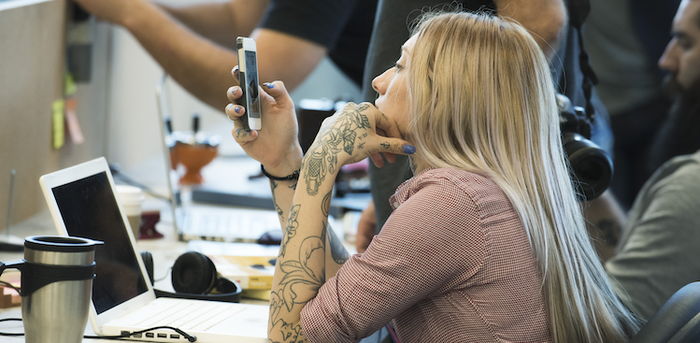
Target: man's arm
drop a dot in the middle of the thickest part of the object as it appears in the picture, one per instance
(199, 65)
(220, 22)
(604, 221)
(545, 19)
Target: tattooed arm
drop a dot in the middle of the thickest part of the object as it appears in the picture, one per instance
(604, 220)
(309, 252)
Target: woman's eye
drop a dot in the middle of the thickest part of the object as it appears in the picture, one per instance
(398, 66)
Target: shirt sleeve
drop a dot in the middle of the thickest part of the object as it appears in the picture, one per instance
(431, 243)
(660, 254)
(321, 22)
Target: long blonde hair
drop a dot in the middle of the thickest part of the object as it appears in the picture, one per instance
(482, 100)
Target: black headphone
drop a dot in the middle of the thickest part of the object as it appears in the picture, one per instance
(194, 277)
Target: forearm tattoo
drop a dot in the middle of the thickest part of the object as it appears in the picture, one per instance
(322, 156)
(338, 252)
(300, 280)
(326, 204)
(273, 186)
(291, 229)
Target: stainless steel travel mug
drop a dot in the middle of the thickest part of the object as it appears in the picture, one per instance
(57, 274)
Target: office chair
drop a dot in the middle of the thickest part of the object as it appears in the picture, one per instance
(678, 321)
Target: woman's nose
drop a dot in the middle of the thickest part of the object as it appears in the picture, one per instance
(378, 83)
(375, 84)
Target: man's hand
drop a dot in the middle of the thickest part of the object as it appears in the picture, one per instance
(545, 19)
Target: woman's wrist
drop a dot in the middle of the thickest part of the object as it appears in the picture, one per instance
(291, 177)
(289, 165)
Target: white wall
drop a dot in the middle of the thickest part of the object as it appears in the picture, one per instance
(133, 126)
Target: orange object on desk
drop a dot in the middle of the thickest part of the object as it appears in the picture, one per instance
(194, 157)
(8, 296)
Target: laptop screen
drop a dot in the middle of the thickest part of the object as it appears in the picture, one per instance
(89, 209)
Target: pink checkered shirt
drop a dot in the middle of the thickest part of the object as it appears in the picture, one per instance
(452, 264)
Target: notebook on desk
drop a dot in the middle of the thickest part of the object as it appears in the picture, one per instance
(83, 203)
(201, 220)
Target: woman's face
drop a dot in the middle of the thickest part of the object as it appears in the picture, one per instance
(391, 86)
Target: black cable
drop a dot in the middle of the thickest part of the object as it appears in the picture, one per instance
(7, 284)
(10, 333)
(125, 335)
(183, 333)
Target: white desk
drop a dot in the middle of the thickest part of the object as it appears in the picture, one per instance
(165, 251)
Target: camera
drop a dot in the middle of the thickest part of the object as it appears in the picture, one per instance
(590, 166)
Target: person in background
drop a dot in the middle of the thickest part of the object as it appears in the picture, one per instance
(487, 242)
(196, 44)
(550, 21)
(657, 252)
(624, 39)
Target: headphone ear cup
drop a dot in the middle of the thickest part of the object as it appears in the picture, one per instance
(193, 273)
(224, 286)
(147, 258)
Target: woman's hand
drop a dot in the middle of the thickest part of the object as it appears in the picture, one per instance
(348, 136)
(276, 146)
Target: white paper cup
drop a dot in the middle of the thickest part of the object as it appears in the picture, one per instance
(131, 199)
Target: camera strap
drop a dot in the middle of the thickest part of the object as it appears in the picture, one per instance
(578, 11)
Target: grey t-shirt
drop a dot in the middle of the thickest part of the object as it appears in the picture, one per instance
(659, 251)
(626, 76)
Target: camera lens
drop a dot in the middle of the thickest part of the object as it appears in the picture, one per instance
(590, 165)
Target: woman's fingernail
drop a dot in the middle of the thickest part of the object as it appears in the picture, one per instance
(409, 149)
(229, 107)
(238, 109)
(269, 85)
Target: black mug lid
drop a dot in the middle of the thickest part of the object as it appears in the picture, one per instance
(60, 243)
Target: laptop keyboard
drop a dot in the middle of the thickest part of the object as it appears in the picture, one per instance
(199, 316)
(227, 225)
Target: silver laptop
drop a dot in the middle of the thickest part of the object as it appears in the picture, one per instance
(82, 202)
(197, 221)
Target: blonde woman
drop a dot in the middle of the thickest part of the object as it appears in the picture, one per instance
(486, 242)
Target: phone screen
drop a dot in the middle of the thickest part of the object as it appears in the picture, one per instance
(252, 86)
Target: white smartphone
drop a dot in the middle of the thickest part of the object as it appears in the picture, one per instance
(248, 79)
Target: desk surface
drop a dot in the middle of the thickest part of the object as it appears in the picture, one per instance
(165, 251)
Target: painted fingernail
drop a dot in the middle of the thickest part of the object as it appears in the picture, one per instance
(409, 149)
(229, 107)
(269, 85)
(238, 109)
